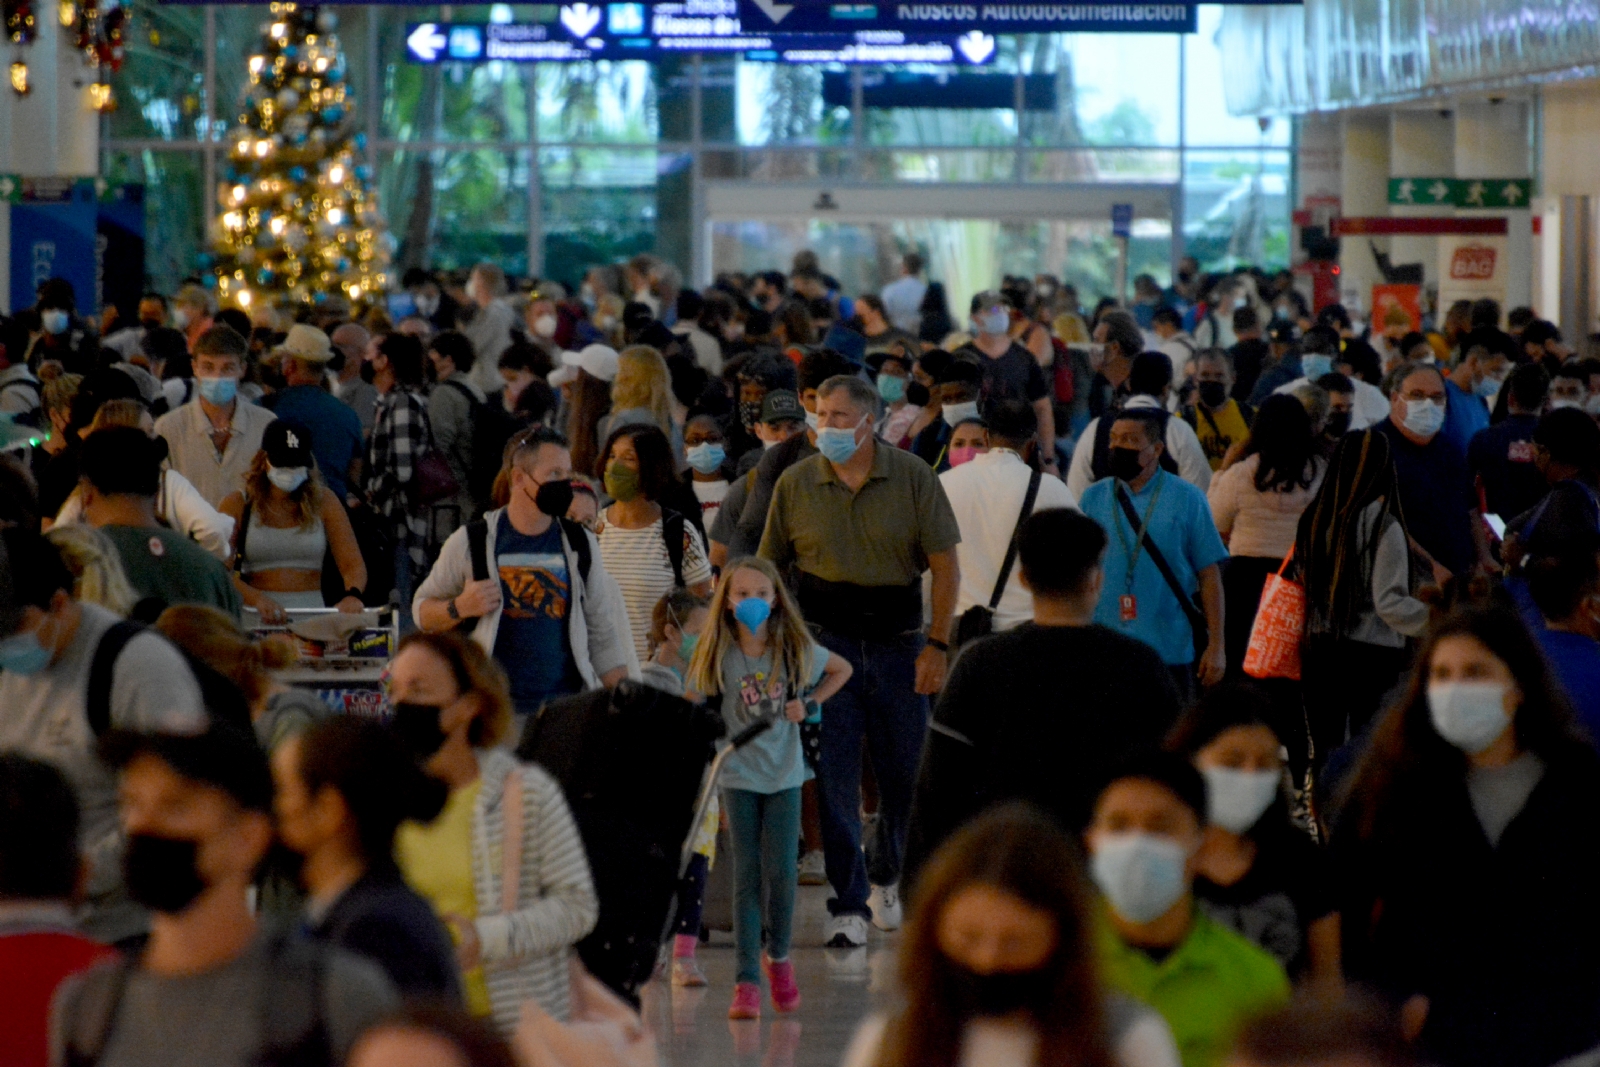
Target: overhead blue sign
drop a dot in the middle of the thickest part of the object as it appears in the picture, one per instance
(583, 32)
(1122, 220)
(763, 15)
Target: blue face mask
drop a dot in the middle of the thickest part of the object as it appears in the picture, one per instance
(707, 457)
(892, 389)
(837, 444)
(994, 321)
(686, 647)
(752, 612)
(54, 320)
(218, 390)
(21, 653)
(1142, 875)
(1316, 366)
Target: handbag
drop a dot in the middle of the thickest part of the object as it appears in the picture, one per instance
(978, 620)
(1274, 649)
(431, 477)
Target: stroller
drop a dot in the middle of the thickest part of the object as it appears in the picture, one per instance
(637, 768)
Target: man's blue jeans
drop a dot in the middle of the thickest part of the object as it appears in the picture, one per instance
(881, 706)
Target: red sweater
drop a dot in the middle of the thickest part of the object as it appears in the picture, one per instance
(32, 965)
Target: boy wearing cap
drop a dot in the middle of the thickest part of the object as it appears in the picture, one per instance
(212, 988)
(335, 427)
(782, 419)
(121, 470)
(1154, 944)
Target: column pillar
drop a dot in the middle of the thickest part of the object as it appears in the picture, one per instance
(1491, 141)
(1364, 191)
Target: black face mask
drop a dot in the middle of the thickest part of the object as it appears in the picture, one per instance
(161, 872)
(996, 994)
(749, 414)
(368, 372)
(336, 361)
(1213, 394)
(416, 727)
(1124, 463)
(1338, 424)
(554, 498)
(917, 394)
(151, 324)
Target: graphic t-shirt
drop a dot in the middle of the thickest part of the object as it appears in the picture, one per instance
(772, 762)
(711, 495)
(536, 596)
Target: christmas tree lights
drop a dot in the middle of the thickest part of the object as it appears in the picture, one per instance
(297, 219)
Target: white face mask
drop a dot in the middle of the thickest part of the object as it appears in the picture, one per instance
(287, 478)
(545, 326)
(1559, 402)
(1469, 715)
(1142, 875)
(954, 413)
(181, 317)
(426, 305)
(1237, 799)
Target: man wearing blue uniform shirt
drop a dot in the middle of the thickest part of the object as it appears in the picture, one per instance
(1170, 519)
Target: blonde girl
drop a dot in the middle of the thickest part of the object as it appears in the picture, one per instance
(757, 656)
(642, 392)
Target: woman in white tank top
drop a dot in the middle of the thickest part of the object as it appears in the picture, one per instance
(284, 524)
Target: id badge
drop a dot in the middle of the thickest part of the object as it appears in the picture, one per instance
(1129, 605)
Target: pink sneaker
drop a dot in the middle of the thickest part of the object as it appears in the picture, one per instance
(780, 976)
(746, 1001)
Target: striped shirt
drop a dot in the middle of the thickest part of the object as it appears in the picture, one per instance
(638, 560)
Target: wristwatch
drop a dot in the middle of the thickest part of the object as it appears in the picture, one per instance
(450, 609)
(934, 642)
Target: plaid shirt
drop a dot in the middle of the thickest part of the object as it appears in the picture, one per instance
(400, 437)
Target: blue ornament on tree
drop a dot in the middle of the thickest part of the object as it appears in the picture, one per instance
(205, 259)
(335, 75)
(364, 172)
(297, 174)
(360, 142)
(265, 276)
(209, 281)
(290, 51)
(332, 114)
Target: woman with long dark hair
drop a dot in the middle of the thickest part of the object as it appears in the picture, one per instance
(1259, 875)
(1467, 854)
(342, 789)
(1353, 556)
(1257, 504)
(998, 965)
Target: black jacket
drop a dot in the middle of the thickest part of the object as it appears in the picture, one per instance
(381, 918)
(1504, 941)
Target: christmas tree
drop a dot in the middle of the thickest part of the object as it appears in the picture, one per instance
(298, 219)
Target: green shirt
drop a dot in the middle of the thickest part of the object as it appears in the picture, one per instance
(1206, 988)
(882, 534)
(163, 563)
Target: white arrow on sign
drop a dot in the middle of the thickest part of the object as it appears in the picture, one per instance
(1439, 191)
(774, 11)
(426, 42)
(1512, 192)
(976, 45)
(580, 19)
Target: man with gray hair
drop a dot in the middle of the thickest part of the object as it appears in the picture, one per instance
(1120, 339)
(488, 320)
(350, 343)
(856, 526)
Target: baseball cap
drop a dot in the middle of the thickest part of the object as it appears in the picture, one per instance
(599, 360)
(989, 298)
(781, 405)
(287, 443)
(1282, 332)
(225, 756)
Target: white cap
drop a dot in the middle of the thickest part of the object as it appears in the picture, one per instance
(599, 360)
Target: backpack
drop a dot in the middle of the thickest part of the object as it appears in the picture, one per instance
(222, 698)
(294, 1030)
(31, 417)
(478, 546)
(491, 429)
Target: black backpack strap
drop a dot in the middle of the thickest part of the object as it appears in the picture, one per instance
(104, 1012)
(473, 402)
(672, 532)
(294, 1028)
(578, 538)
(240, 532)
(101, 669)
(478, 548)
(1197, 620)
(1016, 532)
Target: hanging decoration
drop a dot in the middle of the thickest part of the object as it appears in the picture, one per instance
(99, 33)
(298, 219)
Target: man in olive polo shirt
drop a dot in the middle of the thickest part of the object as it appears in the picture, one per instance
(858, 524)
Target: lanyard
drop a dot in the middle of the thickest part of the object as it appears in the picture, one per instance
(1144, 528)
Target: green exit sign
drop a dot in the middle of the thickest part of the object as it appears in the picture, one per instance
(1461, 192)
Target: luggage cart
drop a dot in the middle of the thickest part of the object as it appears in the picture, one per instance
(343, 658)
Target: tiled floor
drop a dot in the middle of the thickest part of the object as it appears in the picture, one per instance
(839, 987)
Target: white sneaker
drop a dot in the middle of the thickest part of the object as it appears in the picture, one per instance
(846, 931)
(885, 904)
(813, 869)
